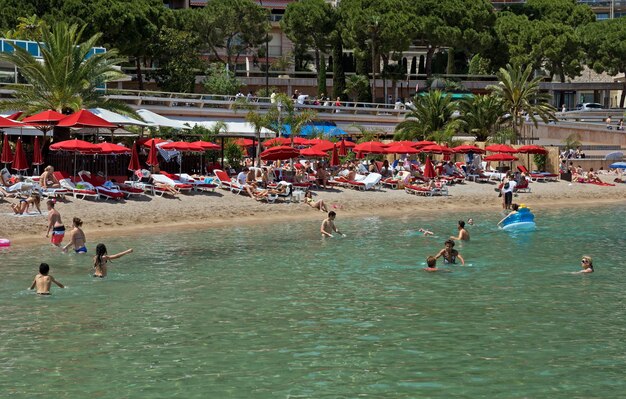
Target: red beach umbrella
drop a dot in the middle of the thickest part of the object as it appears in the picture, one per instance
(75, 145)
(148, 142)
(110, 148)
(319, 141)
(134, 159)
(182, 146)
(279, 153)
(277, 141)
(300, 141)
(16, 115)
(342, 148)
(423, 143)
(401, 149)
(244, 142)
(45, 118)
(500, 157)
(349, 144)
(373, 147)
(501, 148)
(313, 153)
(429, 169)
(152, 155)
(436, 149)
(464, 149)
(324, 146)
(19, 163)
(532, 149)
(37, 157)
(85, 118)
(7, 156)
(207, 145)
(6, 122)
(334, 159)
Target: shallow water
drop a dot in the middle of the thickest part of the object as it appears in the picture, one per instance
(275, 311)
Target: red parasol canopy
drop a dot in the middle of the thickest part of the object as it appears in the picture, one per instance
(16, 115)
(374, 147)
(313, 153)
(75, 145)
(5, 122)
(134, 159)
(277, 141)
(244, 142)
(19, 163)
(207, 145)
(342, 148)
(436, 149)
(532, 149)
(7, 156)
(334, 159)
(152, 155)
(318, 141)
(500, 157)
(423, 143)
(324, 146)
(300, 141)
(501, 148)
(47, 118)
(148, 142)
(37, 157)
(182, 146)
(85, 118)
(110, 148)
(464, 149)
(429, 169)
(401, 149)
(279, 153)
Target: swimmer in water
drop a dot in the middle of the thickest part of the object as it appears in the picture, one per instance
(77, 237)
(587, 264)
(328, 226)
(426, 232)
(102, 258)
(470, 221)
(463, 234)
(515, 208)
(43, 280)
(450, 255)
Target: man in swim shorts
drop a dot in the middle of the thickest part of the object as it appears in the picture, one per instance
(54, 224)
(463, 234)
(450, 255)
(43, 281)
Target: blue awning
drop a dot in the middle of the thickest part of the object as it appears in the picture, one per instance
(328, 129)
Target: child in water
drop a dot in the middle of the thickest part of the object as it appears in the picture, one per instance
(101, 259)
(450, 255)
(43, 281)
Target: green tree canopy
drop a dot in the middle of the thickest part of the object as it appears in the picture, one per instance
(432, 112)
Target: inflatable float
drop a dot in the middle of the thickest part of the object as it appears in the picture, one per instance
(5, 243)
(522, 220)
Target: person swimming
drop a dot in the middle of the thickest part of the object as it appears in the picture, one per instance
(426, 232)
(450, 255)
(102, 258)
(587, 264)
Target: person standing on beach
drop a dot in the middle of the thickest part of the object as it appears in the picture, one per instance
(43, 281)
(328, 226)
(102, 258)
(77, 237)
(463, 234)
(54, 224)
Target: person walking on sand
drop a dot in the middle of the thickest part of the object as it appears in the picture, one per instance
(102, 258)
(328, 226)
(54, 224)
(77, 237)
(463, 234)
(43, 280)
(450, 255)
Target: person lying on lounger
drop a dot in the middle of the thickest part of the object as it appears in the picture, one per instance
(47, 178)
(280, 189)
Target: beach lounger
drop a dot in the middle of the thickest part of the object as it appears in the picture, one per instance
(225, 182)
(197, 185)
(369, 182)
(80, 191)
(176, 184)
(108, 191)
(538, 176)
(287, 195)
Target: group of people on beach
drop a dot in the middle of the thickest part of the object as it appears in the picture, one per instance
(78, 241)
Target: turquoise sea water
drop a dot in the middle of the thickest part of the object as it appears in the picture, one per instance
(276, 312)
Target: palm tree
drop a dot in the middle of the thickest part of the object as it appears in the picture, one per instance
(481, 115)
(522, 95)
(69, 78)
(432, 113)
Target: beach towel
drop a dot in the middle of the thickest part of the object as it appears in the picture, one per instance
(596, 183)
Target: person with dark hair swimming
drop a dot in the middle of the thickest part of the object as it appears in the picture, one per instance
(463, 234)
(43, 280)
(450, 255)
(328, 226)
(102, 258)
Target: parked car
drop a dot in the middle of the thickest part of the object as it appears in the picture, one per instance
(589, 107)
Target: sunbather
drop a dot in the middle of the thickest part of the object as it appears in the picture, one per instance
(47, 178)
(280, 189)
(308, 199)
(24, 205)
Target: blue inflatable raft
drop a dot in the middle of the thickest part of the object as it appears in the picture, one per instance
(522, 220)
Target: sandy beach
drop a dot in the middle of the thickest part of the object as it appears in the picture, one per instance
(223, 208)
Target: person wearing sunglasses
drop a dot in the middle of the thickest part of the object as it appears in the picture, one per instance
(587, 264)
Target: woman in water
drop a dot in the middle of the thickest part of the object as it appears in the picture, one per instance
(450, 255)
(77, 237)
(101, 259)
(587, 264)
(515, 208)
(308, 199)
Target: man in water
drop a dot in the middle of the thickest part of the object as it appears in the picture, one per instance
(463, 234)
(328, 226)
(450, 254)
(54, 224)
(43, 281)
